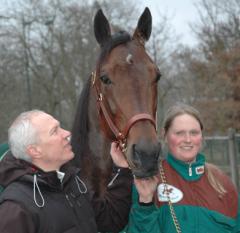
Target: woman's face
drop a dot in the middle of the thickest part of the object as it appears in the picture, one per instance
(184, 138)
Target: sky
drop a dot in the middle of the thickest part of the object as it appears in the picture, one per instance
(180, 14)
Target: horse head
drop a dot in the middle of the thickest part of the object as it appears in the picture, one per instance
(124, 84)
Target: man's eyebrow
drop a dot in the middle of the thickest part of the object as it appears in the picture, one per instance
(52, 130)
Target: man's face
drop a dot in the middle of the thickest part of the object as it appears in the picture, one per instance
(53, 144)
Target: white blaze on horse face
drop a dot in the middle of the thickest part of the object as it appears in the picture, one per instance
(129, 58)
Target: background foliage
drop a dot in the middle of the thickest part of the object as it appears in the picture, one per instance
(48, 50)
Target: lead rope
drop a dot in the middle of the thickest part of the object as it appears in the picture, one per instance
(173, 214)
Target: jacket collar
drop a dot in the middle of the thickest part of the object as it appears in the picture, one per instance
(189, 171)
(12, 169)
(51, 179)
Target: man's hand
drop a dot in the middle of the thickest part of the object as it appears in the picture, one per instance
(117, 156)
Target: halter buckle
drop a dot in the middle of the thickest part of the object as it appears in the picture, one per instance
(100, 97)
(123, 145)
(93, 77)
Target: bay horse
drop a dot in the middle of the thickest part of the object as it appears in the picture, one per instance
(118, 103)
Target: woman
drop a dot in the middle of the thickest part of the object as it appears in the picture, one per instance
(189, 195)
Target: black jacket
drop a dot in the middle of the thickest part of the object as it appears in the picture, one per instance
(37, 202)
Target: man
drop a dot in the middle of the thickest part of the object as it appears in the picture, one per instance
(38, 197)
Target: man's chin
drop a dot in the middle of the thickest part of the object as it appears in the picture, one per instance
(71, 155)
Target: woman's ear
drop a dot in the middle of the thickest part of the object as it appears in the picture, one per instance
(163, 134)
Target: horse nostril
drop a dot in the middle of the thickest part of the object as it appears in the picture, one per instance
(135, 153)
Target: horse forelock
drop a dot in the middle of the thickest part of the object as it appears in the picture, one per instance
(116, 39)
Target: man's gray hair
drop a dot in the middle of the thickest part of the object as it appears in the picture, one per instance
(22, 133)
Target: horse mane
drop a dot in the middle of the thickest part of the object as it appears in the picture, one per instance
(81, 124)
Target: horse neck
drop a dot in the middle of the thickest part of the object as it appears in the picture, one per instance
(99, 143)
(96, 162)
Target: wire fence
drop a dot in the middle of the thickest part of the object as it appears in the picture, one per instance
(224, 151)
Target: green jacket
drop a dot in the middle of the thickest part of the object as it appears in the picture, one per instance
(198, 207)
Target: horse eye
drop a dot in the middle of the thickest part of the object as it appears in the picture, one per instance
(158, 76)
(105, 79)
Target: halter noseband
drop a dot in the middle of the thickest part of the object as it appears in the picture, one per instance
(121, 136)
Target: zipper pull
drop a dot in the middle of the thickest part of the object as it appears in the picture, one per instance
(114, 178)
(190, 170)
(67, 197)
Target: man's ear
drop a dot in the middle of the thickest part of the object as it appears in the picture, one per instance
(33, 151)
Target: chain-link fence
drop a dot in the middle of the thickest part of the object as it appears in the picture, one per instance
(224, 151)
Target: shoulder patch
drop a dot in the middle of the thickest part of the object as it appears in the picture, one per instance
(166, 190)
(199, 170)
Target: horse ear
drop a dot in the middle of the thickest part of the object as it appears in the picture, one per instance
(101, 28)
(144, 26)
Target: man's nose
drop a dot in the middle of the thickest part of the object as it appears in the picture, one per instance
(66, 134)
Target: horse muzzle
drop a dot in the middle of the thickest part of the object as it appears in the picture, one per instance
(144, 159)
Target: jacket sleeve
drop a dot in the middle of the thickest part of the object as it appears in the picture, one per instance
(14, 219)
(142, 218)
(111, 211)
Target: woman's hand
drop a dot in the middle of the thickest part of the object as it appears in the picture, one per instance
(117, 156)
(146, 188)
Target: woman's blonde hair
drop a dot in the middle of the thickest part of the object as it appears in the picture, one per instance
(178, 110)
(213, 180)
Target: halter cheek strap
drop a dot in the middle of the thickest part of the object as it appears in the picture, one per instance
(121, 136)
